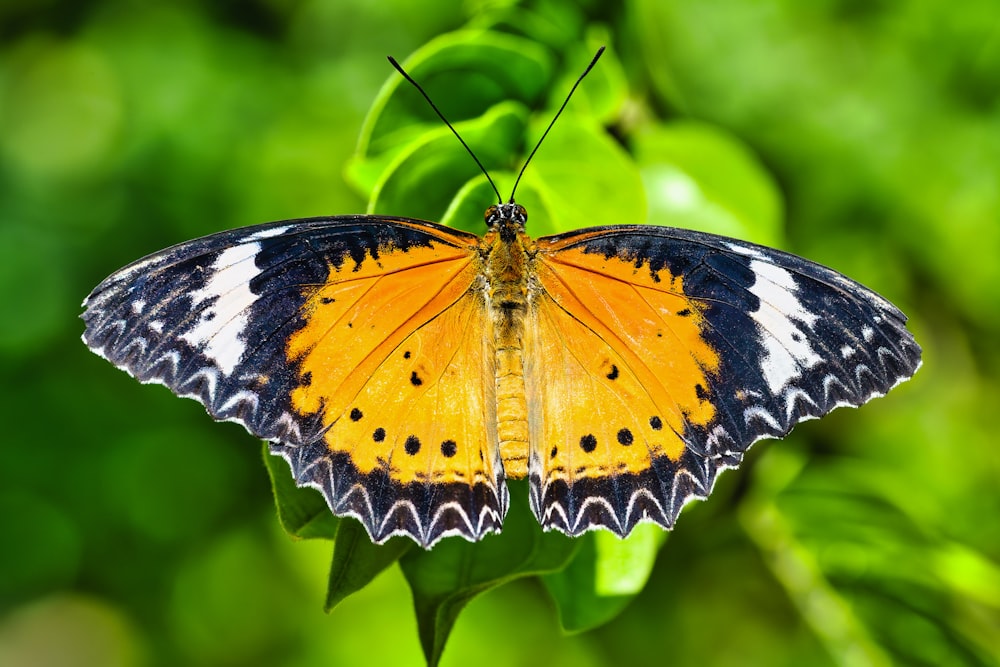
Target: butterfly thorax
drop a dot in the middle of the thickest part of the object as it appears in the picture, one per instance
(506, 252)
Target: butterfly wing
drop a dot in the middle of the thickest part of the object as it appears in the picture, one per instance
(354, 344)
(655, 357)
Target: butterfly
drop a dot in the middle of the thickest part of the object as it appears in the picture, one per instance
(406, 370)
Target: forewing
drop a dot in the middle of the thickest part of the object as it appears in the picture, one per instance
(309, 333)
(656, 356)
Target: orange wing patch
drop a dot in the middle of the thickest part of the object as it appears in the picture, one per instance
(617, 371)
(423, 414)
(395, 362)
(360, 315)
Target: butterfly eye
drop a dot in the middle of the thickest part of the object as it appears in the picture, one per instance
(492, 215)
(520, 214)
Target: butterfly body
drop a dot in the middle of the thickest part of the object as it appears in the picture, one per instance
(508, 255)
(406, 369)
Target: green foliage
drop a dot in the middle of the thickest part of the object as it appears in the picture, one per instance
(861, 135)
(604, 577)
(446, 578)
(494, 86)
(302, 511)
(357, 560)
(699, 178)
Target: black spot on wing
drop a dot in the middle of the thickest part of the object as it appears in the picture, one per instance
(449, 448)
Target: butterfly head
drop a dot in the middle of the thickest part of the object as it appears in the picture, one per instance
(507, 219)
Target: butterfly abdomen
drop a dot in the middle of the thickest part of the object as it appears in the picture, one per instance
(512, 425)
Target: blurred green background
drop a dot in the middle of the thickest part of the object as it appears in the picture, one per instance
(137, 532)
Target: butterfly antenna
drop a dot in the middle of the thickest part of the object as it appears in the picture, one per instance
(572, 90)
(450, 127)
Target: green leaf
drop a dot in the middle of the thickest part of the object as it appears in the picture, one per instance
(446, 578)
(872, 583)
(700, 178)
(555, 23)
(465, 73)
(302, 511)
(624, 565)
(603, 94)
(357, 560)
(604, 576)
(422, 180)
(412, 165)
(582, 178)
(579, 177)
(468, 208)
